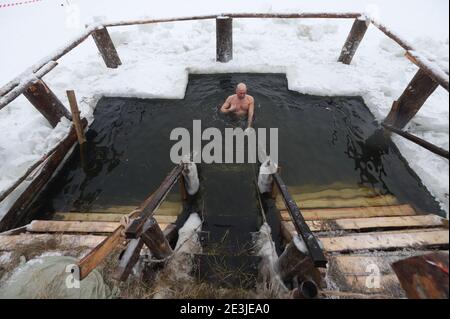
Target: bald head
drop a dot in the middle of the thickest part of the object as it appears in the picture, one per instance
(241, 90)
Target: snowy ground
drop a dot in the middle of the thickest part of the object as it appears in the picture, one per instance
(157, 59)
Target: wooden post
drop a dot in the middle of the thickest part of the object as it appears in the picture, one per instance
(106, 48)
(46, 102)
(355, 37)
(154, 239)
(224, 39)
(76, 116)
(412, 99)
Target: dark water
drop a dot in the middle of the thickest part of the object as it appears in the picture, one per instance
(322, 140)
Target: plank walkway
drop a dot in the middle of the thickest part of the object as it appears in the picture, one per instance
(361, 242)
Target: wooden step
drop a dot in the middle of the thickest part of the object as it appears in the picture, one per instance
(383, 200)
(95, 217)
(366, 224)
(61, 242)
(51, 226)
(387, 241)
(345, 193)
(303, 189)
(354, 212)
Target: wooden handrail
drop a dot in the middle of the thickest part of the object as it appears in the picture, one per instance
(136, 228)
(427, 145)
(302, 228)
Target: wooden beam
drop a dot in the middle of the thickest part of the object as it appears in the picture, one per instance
(427, 145)
(380, 200)
(46, 102)
(60, 242)
(76, 116)
(98, 217)
(106, 47)
(17, 212)
(368, 224)
(354, 38)
(224, 39)
(136, 228)
(387, 241)
(52, 226)
(300, 225)
(306, 15)
(412, 99)
(357, 212)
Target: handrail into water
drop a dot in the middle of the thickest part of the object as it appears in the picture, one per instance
(138, 218)
(302, 228)
(427, 145)
(137, 226)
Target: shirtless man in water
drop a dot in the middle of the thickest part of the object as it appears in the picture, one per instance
(240, 104)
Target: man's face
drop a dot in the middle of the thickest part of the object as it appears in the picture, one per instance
(241, 93)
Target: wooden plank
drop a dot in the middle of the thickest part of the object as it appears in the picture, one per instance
(95, 217)
(305, 15)
(51, 226)
(384, 200)
(63, 242)
(365, 224)
(344, 193)
(386, 241)
(355, 212)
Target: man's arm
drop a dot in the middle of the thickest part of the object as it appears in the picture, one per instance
(251, 112)
(226, 107)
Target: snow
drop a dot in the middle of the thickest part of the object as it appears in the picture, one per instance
(156, 61)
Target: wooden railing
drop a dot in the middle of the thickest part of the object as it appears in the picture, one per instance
(311, 242)
(143, 229)
(31, 85)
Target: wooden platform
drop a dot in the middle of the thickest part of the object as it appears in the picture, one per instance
(365, 236)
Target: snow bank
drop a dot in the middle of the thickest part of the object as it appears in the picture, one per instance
(158, 58)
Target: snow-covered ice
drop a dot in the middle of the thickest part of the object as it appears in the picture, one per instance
(158, 58)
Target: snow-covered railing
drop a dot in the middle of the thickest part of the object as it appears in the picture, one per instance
(30, 83)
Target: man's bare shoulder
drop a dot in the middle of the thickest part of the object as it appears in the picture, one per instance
(250, 98)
